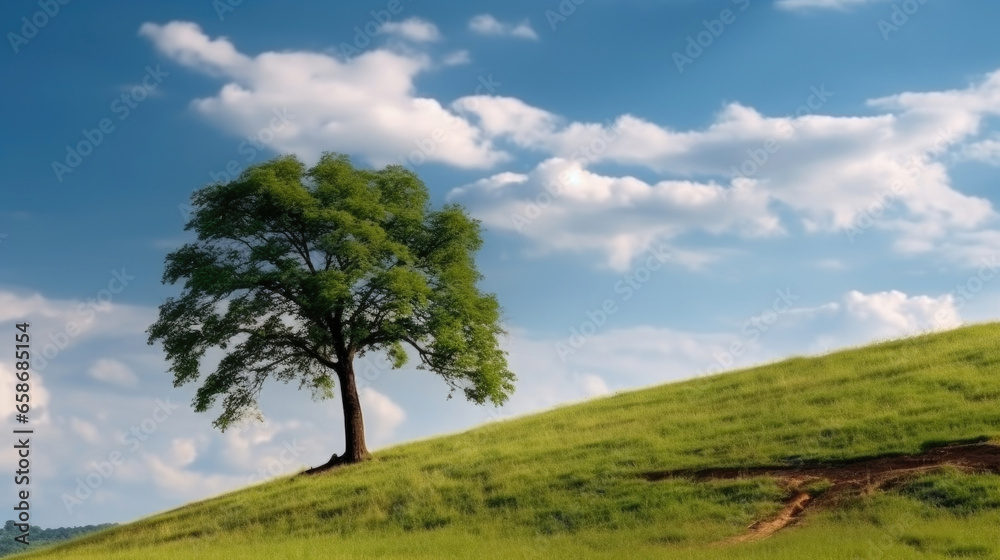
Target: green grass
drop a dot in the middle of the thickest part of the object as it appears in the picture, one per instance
(565, 483)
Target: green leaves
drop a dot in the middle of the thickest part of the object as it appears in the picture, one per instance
(296, 271)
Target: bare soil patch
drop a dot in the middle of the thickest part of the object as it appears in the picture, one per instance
(857, 476)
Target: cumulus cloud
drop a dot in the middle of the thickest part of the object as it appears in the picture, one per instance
(185, 43)
(985, 151)
(307, 102)
(857, 318)
(893, 313)
(486, 24)
(829, 171)
(563, 206)
(414, 29)
(822, 173)
(112, 371)
(589, 361)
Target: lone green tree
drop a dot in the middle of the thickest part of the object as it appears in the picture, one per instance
(297, 272)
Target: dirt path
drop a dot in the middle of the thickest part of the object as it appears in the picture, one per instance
(862, 476)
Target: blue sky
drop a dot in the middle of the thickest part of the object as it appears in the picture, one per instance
(596, 142)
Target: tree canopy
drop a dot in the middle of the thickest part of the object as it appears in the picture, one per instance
(297, 271)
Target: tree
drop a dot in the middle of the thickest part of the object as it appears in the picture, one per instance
(297, 272)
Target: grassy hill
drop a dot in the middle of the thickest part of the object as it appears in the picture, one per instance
(575, 482)
(41, 537)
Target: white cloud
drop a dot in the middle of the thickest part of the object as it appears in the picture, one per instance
(985, 151)
(183, 451)
(243, 442)
(185, 43)
(594, 385)
(457, 58)
(59, 324)
(828, 171)
(15, 306)
(645, 355)
(112, 371)
(383, 415)
(414, 29)
(824, 172)
(365, 106)
(563, 206)
(486, 24)
(85, 429)
(513, 119)
(893, 313)
(178, 482)
(822, 4)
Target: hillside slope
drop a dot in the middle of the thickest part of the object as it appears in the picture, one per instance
(581, 481)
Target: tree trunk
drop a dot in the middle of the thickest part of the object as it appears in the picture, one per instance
(354, 424)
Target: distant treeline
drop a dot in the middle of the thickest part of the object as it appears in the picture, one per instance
(41, 536)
